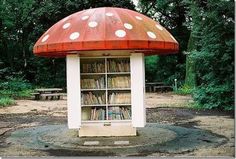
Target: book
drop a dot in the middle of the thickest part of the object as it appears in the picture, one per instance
(98, 114)
(118, 65)
(119, 98)
(119, 113)
(119, 82)
(93, 67)
(92, 83)
(92, 99)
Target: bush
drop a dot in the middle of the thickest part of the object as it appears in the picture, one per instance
(4, 101)
(15, 88)
(215, 96)
(184, 90)
(15, 84)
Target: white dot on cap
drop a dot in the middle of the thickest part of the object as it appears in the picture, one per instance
(74, 35)
(138, 17)
(128, 26)
(45, 38)
(120, 33)
(159, 27)
(92, 24)
(109, 14)
(65, 26)
(85, 17)
(151, 35)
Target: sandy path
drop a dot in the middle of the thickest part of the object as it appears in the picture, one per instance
(168, 111)
(55, 107)
(152, 100)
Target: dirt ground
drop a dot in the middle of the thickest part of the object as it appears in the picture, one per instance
(165, 108)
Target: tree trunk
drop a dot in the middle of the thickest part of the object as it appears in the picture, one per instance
(190, 77)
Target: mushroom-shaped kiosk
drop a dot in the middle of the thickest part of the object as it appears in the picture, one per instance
(104, 50)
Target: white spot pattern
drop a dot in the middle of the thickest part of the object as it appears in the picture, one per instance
(151, 35)
(92, 24)
(138, 17)
(85, 17)
(128, 26)
(45, 38)
(109, 14)
(65, 26)
(120, 33)
(74, 35)
(159, 27)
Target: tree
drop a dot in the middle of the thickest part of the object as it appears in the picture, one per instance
(172, 14)
(23, 22)
(214, 56)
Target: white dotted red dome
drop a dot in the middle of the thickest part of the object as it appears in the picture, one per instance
(105, 29)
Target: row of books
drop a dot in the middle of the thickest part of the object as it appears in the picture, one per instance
(93, 83)
(93, 113)
(119, 98)
(119, 113)
(94, 67)
(118, 66)
(119, 82)
(92, 99)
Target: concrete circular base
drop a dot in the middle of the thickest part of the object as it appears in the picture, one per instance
(58, 140)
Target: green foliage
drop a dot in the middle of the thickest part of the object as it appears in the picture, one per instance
(184, 90)
(15, 88)
(5, 101)
(23, 22)
(173, 16)
(151, 67)
(215, 54)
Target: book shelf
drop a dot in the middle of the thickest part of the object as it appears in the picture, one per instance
(105, 89)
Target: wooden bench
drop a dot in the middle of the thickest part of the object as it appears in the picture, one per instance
(36, 95)
(52, 95)
(163, 88)
(150, 86)
(45, 93)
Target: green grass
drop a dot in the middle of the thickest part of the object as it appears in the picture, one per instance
(184, 90)
(5, 101)
(16, 94)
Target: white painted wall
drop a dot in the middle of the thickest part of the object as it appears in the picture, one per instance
(138, 90)
(73, 91)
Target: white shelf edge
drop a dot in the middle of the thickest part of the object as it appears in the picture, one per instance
(92, 73)
(110, 105)
(103, 89)
(114, 89)
(104, 121)
(118, 73)
(93, 105)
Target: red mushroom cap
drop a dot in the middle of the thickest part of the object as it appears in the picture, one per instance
(105, 28)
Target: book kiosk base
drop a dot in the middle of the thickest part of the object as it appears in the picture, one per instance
(99, 130)
(105, 94)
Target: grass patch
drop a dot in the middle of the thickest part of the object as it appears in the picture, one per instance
(5, 101)
(184, 90)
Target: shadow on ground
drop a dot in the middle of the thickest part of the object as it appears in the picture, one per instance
(57, 140)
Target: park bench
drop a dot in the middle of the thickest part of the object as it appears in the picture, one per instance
(163, 88)
(48, 93)
(52, 95)
(150, 86)
(36, 95)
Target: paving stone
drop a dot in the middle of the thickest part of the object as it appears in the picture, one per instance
(90, 143)
(121, 142)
